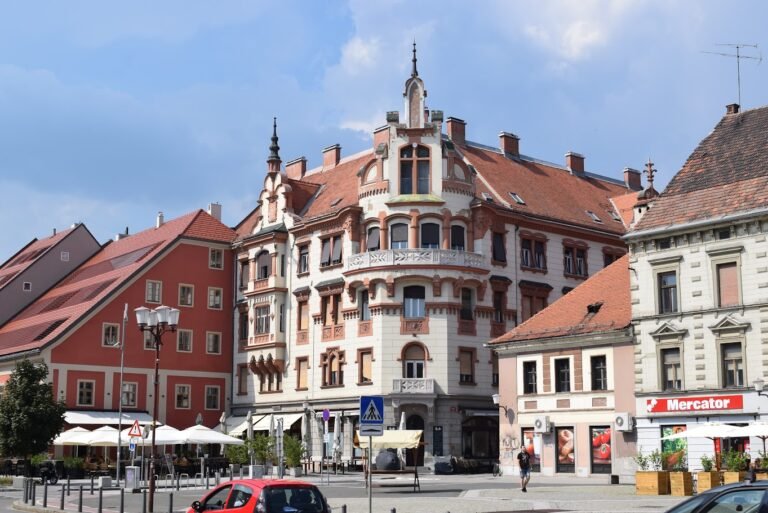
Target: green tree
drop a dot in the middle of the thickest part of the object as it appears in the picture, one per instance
(30, 418)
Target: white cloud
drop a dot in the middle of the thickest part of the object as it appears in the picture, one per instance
(359, 55)
(365, 127)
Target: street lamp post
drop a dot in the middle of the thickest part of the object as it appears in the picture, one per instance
(156, 322)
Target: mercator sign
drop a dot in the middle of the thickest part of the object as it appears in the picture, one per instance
(694, 404)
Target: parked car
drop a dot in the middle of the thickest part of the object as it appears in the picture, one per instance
(263, 496)
(738, 497)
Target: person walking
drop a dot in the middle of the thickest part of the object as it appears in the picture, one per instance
(524, 460)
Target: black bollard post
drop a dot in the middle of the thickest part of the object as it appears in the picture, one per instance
(144, 501)
(122, 500)
(69, 487)
(34, 492)
(91, 484)
(178, 482)
(80, 500)
(101, 499)
(61, 499)
(45, 493)
(26, 490)
(393, 510)
(343, 508)
(170, 502)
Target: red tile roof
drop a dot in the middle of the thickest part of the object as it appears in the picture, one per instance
(28, 255)
(548, 191)
(726, 174)
(339, 186)
(569, 316)
(625, 205)
(62, 306)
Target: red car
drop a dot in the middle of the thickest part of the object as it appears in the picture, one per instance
(263, 496)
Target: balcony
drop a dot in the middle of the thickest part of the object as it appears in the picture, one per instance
(413, 386)
(415, 257)
(333, 332)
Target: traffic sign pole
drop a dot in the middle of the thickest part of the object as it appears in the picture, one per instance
(370, 475)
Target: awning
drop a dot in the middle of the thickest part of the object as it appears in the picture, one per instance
(481, 413)
(392, 439)
(106, 418)
(288, 420)
(238, 424)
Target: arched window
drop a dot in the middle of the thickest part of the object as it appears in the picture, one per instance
(457, 237)
(263, 265)
(413, 302)
(414, 170)
(414, 362)
(373, 242)
(430, 235)
(332, 363)
(398, 235)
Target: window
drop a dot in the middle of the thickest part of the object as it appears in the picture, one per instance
(727, 284)
(599, 372)
(398, 234)
(184, 341)
(212, 394)
(574, 260)
(331, 363)
(304, 258)
(186, 295)
(149, 341)
(498, 306)
(242, 327)
(466, 313)
(414, 302)
(430, 235)
(498, 249)
(466, 366)
(85, 392)
(414, 169)
(414, 362)
(562, 375)
(330, 309)
(130, 392)
(244, 273)
(457, 237)
(670, 369)
(281, 320)
(330, 251)
(213, 342)
(242, 379)
(526, 253)
(609, 258)
(214, 298)
(733, 365)
(302, 372)
(594, 217)
(365, 309)
(110, 334)
(494, 369)
(373, 242)
(182, 397)
(64, 256)
(517, 198)
(263, 265)
(215, 258)
(667, 283)
(154, 291)
(664, 243)
(282, 265)
(533, 298)
(261, 315)
(364, 366)
(26, 286)
(303, 316)
(529, 377)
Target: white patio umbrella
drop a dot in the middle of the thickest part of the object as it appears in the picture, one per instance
(249, 421)
(709, 430)
(336, 435)
(105, 436)
(756, 429)
(203, 435)
(74, 436)
(401, 451)
(164, 435)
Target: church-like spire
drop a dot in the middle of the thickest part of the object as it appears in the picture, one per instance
(273, 160)
(414, 71)
(650, 171)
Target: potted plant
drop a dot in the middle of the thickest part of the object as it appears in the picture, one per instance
(708, 477)
(261, 448)
(294, 452)
(236, 455)
(650, 479)
(680, 480)
(75, 467)
(761, 467)
(735, 463)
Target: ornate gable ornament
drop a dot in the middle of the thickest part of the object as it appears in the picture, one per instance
(729, 324)
(667, 331)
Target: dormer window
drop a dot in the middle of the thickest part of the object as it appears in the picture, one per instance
(517, 198)
(487, 197)
(414, 170)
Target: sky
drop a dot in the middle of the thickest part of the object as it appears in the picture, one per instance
(113, 111)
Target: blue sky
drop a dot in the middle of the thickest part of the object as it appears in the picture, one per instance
(113, 111)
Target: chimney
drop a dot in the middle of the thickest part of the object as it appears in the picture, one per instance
(331, 156)
(456, 131)
(575, 163)
(214, 210)
(296, 169)
(733, 108)
(54, 232)
(632, 179)
(160, 220)
(509, 144)
(122, 235)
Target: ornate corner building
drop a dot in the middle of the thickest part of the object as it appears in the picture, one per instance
(385, 272)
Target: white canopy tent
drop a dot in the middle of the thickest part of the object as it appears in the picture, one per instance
(392, 439)
(200, 434)
(263, 424)
(164, 435)
(74, 436)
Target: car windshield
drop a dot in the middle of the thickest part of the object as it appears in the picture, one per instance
(288, 499)
(690, 505)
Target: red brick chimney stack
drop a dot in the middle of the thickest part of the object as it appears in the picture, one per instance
(331, 156)
(632, 179)
(575, 163)
(456, 131)
(296, 169)
(509, 143)
(733, 108)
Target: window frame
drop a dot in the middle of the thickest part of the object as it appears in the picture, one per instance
(413, 365)
(244, 268)
(148, 289)
(242, 382)
(332, 242)
(303, 262)
(415, 179)
(263, 265)
(302, 308)
(111, 326)
(722, 343)
(208, 342)
(179, 333)
(330, 358)
(135, 393)
(299, 361)
(530, 388)
(181, 296)
(148, 341)
(417, 303)
(207, 397)
(679, 375)
(212, 295)
(455, 230)
(398, 244)
(537, 261)
(432, 226)
(578, 254)
(595, 377)
(361, 353)
(261, 319)
(499, 247)
(212, 264)
(80, 384)
(471, 353)
(662, 266)
(369, 236)
(176, 396)
(559, 383)
(730, 255)
(364, 306)
(467, 311)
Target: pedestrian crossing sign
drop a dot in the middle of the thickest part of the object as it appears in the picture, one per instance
(371, 410)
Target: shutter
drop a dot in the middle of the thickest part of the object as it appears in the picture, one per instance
(728, 284)
(527, 304)
(373, 239)
(399, 233)
(325, 255)
(303, 364)
(465, 363)
(336, 250)
(430, 235)
(367, 366)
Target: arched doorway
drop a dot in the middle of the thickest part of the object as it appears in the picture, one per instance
(415, 422)
(480, 438)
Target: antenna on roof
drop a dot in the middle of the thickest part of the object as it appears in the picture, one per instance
(738, 57)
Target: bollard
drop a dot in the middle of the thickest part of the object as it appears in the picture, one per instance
(393, 510)
(69, 487)
(170, 502)
(218, 478)
(207, 485)
(92, 484)
(241, 472)
(178, 484)
(26, 491)
(343, 508)
(144, 501)
(34, 493)
(45, 493)
(80, 500)
(61, 499)
(101, 499)
(122, 500)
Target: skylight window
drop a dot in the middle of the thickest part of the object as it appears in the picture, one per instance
(614, 215)
(487, 197)
(594, 216)
(517, 198)
(335, 202)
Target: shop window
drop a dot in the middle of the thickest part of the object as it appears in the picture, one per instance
(430, 235)
(566, 456)
(457, 237)
(414, 170)
(600, 449)
(529, 377)
(398, 235)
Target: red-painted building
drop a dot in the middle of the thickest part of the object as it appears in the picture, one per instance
(76, 327)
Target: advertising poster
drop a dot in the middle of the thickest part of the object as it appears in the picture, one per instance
(674, 450)
(565, 451)
(529, 442)
(601, 449)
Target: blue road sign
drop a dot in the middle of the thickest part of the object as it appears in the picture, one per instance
(371, 410)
